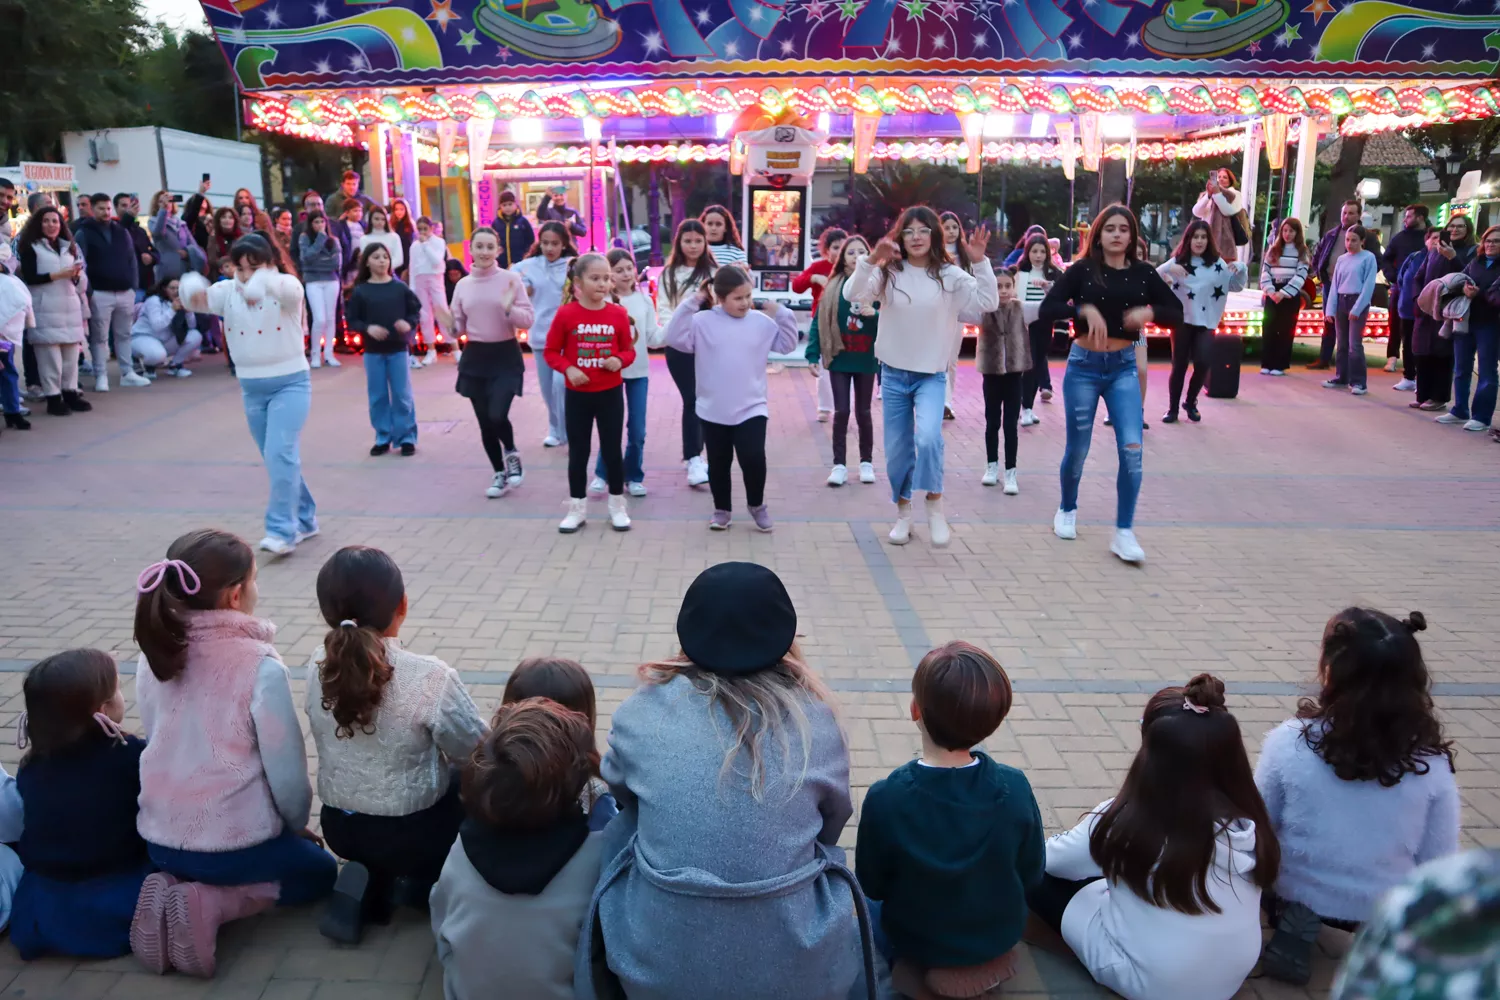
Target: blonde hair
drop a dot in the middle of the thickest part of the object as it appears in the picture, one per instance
(765, 707)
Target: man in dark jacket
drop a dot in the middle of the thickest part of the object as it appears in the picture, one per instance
(516, 234)
(1409, 240)
(555, 208)
(113, 268)
(145, 249)
(1330, 249)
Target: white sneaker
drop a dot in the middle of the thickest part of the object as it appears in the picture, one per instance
(180, 372)
(901, 533)
(458, 355)
(1065, 524)
(1475, 425)
(697, 470)
(413, 362)
(1265, 371)
(1126, 547)
(1405, 385)
(497, 487)
(991, 475)
(597, 485)
(578, 513)
(550, 442)
(430, 358)
(303, 536)
(866, 472)
(101, 383)
(315, 362)
(1028, 417)
(1011, 486)
(133, 380)
(1449, 418)
(333, 362)
(277, 546)
(514, 474)
(1357, 390)
(823, 416)
(636, 489)
(1390, 364)
(1277, 372)
(937, 524)
(619, 516)
(839, 476)
(877, 390)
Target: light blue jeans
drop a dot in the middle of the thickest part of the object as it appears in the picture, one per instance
(913, 406)
(276, 408)
(1111, 376)
(393, 412)
(554, 386)
(635, 432)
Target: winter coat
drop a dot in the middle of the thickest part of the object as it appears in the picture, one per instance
(516, 238)
(1003, 346)
(1426, 333)
(1216, 210)
(173, 236)
(707, 892)
(1484, 308)
(61, 307)
(156, 319)
(143, 245)
(1409, 284)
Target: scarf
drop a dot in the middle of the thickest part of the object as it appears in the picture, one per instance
(830, 337)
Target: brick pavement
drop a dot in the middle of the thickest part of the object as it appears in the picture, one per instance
(1281, 507)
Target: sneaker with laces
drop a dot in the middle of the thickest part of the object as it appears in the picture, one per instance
(619, 513)
(901, 531)
(101, 383)
(550, 441)
(1357, 390)
(513, 472)
(277, 546)
(312, 532)
(497, 487)
(1028, 418)
(578, 514)
(991, 475)
(1065, 524)
(720, 521)
(762, 517)
(1011, 486)
(430, 358)
(1405, 385)
(1277, 372)
(1126, 547)
(177, 371)
(839, 476)
(1476, 425)
(413, 362)
(1334, 383)
(1431, 404)
(937, 524)
(134, 381)
(866, 472)
(333, 362)
(1449, 418)
(697, 470)
(597, 485)
(636, 489)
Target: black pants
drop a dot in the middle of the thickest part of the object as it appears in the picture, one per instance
(495, 432)
(1051, 897)
(1040, 376)
(1434, 378)
(864, 392)
(1189, 344)
(1330, 337)
(28, 358)
(583, 410)
(1277, 330)
(1398, 344)
(725, 442)
(684, 372)
(1002, 405)
(413, 846)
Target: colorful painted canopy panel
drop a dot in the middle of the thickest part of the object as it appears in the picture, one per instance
(300, 45)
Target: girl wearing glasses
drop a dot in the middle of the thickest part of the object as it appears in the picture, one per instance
(923, 296)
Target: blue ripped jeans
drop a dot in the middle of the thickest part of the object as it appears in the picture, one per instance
(1111, 376)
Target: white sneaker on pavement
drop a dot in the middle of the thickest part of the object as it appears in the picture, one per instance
(991, 475)
(1405, 385)
(1011, 486)
(697, 470)
(550, 442)
(1448, 418)
(901, 532)
(277, 546)
(413, 362)
(133, 380)
(1476, 425)
(636, 489)
(839, 476)
(578, 513)
(497, 486)
(430, 358)
(458, 355)
(303, 536)
(597, 485)
(937, 524)
(866, 472)
(1065, 524)
(1028, 418)
(619, 514)
(1126, 547)
(333, 362)
(823, 416)
(1390, 364)
(101, 383)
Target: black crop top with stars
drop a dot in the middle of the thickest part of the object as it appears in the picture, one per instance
(1113, 291)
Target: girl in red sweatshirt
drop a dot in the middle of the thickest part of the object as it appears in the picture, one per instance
(590, 342)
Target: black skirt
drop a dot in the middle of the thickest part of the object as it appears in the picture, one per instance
(492, 371)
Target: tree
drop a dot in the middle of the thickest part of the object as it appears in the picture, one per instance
(1342, 179)
(1457, 148)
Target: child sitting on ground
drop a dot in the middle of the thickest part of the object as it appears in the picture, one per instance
(388, 726)
(1359, 785)
(224, 790)
(950, 843)
(78, 782)
(516, 886)
(567, 683)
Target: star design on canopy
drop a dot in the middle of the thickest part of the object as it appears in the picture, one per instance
(467, 41)
(916, 8)
(1291, 33)
(948, 8)
(849, 9)
(817, 9)
(442, 13)
(1318, 8)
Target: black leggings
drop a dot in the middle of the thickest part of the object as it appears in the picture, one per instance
(583, 410)
(28, 359)
(864, 392)
(413, 846)
(725, 442)
(1051, 896)
(1189, 343)
(1039, 376)
(1434, 378)
(684, 372)
(1002, 405)
(1278, 328)
(495, 432)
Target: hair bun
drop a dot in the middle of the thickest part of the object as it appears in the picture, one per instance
(1205, 690)
(1416, 622)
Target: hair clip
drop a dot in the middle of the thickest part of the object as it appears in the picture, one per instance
(110, 726)
(22, 739)
(348, 623)
(152, 576)
(1188, 706)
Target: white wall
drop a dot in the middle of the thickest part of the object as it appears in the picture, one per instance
(186, 156)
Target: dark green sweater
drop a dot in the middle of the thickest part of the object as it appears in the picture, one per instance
(950, 853)
(858, 355)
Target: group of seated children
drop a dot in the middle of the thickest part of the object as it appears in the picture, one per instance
(700, 856)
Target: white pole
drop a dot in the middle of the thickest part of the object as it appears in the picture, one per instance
(1249, 182)
(1302, 182)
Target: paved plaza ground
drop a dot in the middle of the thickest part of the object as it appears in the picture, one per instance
(1280, 508)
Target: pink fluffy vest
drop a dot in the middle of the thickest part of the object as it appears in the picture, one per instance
(203, 786)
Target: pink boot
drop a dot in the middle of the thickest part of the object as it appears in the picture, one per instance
(195, 912)
(148, 929)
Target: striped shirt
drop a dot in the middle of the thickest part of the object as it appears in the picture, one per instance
(1285, 274)
(728, 253)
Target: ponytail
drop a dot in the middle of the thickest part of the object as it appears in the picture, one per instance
(360, 593)
(199, 567)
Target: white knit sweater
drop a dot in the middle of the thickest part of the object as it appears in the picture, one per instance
(425, 722)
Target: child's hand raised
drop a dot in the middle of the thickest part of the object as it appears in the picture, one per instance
(977, 243)
(885, 251)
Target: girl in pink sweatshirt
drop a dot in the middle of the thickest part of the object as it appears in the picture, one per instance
(489, 305)
(225, 795)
